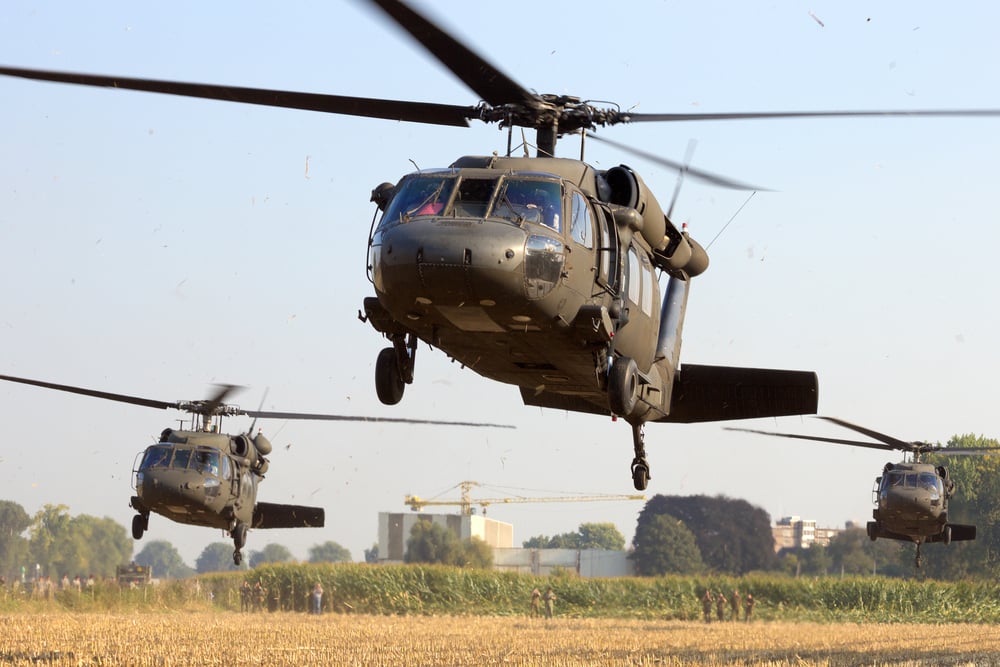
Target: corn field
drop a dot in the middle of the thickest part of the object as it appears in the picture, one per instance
(429, 615)
(287, 638)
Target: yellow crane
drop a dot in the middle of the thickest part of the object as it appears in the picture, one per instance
(417, 503)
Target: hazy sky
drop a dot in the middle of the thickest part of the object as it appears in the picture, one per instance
(153, 245)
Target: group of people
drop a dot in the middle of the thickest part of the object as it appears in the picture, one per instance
(252, 598)
(736, 603)
(548, 598)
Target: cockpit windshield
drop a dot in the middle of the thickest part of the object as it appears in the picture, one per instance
(417, 196)
(530, 200)
(926, 481)
(202, 460)
(534, 200)
(156, 457)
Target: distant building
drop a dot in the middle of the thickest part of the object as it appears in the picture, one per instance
(792, 532)
(585, 563)
(394, 530)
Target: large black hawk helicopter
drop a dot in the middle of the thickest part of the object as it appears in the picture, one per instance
(203, 477)
(540, 271)
(911, 497)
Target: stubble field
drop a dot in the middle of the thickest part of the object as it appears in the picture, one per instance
(228, 638)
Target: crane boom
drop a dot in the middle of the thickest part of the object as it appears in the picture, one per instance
(466, 502)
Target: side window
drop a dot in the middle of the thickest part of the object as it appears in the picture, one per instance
(581, 227)
(647, 286)
(634, 276)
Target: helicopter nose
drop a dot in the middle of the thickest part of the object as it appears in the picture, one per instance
(450, 263)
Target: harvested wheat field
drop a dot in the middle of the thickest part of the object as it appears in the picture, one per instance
(226, 638)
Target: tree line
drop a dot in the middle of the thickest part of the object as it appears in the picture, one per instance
(701, 534)
(674, 535)
(54, 544)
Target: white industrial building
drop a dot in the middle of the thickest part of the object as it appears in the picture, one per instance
(394, 530)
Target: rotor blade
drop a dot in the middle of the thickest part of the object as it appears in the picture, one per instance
(487, 81)
(121, 398)
(417, 112)
(706, 176)
(895, 443)
(629, 117)
(266, 414)
(816, 438)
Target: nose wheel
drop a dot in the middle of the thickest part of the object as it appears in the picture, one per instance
(640, 466)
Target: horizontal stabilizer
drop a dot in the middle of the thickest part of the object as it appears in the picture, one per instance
(271, 515)
(720, 393)
(962, 532)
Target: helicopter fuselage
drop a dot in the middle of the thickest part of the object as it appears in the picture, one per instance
(516, 268)
(206, 478)
(912, 505)
(193, 478)
(543, 273)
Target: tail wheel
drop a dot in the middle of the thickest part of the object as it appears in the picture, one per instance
(623, 386)
(389, 383)
(872, 530)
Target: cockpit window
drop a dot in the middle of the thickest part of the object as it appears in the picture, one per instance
(181, 458)
(206, 461)
(930, 482)
(417, 196)
(893, 479)
(156, 457)
(473, 198)
(525, 200)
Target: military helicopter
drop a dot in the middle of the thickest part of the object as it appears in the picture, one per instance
(911, 496)
(541, 271)
(202, 477)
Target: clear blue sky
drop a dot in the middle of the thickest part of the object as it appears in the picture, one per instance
(152, 245)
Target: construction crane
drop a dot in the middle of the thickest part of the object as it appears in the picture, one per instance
(417, 503)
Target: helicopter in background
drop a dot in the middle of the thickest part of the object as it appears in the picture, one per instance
(541, 272)
(911, 497)
(203, 477)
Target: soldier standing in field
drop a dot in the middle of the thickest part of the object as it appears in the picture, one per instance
(736, 602)
(245, 595)
(536, 596)
(548, 598)
(748, 610)
(706, 605)
(259, 596)
(720, 606)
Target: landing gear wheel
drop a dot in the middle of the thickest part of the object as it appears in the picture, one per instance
(237, 557)
(139, 526)
(389, 383)
(917, 561)
(640, 467)
(640, 475)
(239, 534)
(946, 535)
(872, 530)
(623, 386)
